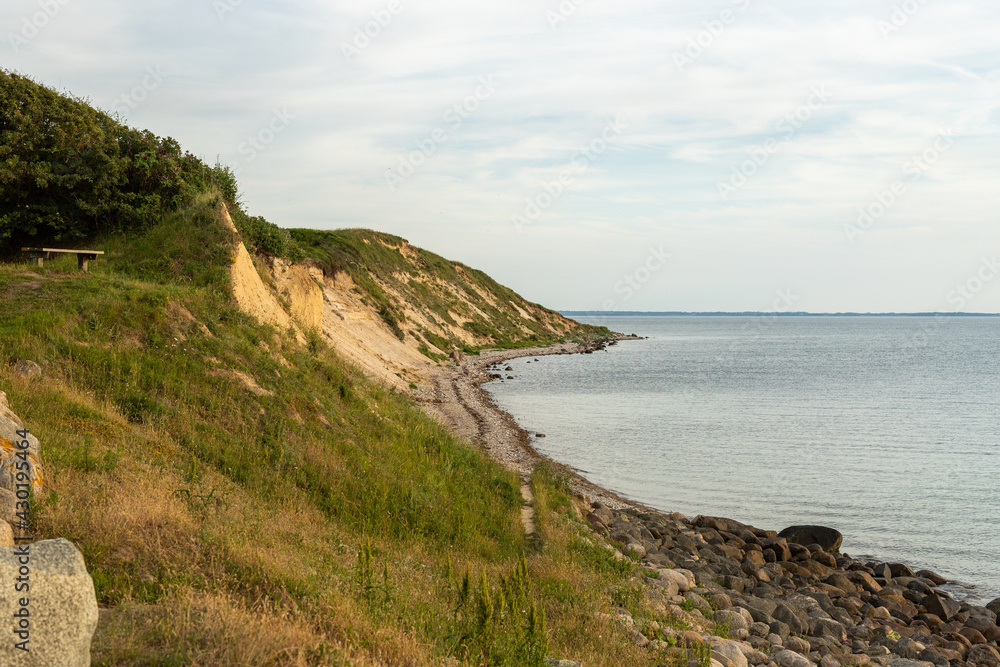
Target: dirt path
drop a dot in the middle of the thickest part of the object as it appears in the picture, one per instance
(460, 403)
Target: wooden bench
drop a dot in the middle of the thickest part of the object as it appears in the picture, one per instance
(82, 256)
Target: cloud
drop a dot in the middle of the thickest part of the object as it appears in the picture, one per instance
(752, 67)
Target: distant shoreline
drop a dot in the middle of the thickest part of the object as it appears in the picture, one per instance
(677, 313)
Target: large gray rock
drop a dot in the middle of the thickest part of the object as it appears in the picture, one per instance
(825, 627)
(788, 658)
(796, 624)
(729, 654)
(60, 614)
(733, 619)
(828, 538)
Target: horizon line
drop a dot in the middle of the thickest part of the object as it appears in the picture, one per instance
(745, 313)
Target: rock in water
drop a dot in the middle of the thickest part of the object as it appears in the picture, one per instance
(61, 610)
(828, 538)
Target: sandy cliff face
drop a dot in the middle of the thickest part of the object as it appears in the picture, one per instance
(300, 298)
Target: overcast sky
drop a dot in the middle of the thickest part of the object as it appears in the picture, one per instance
(627, 155)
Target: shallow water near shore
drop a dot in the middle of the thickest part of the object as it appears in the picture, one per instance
(885, 428)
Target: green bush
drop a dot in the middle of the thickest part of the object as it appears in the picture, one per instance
(69, 172)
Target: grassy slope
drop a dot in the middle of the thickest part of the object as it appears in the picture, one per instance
(323, 520)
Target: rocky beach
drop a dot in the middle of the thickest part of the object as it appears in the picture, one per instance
(755, 596)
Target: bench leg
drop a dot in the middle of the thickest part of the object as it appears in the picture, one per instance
(40, 261)
(81, 262)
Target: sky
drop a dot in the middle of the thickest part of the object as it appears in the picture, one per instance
(726, 155)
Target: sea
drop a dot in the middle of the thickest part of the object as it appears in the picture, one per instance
(883, 427)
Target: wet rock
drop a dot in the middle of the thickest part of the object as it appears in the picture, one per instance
(994, 606)
(828, 538)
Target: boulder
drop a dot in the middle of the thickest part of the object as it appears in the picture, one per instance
(942, 607)
(798, 645)
(8, 506)
(61, 605)
(27, 369)
(933, 576)
(900, 570)
(905, 662)
(729, 654)
(788, 658)
(974, 636)
(6, 534)
(10, 440)
(983, 654)
(733, 619)
(796, 625)
(842, 582)
(5, 410)
(994, 606)
(829, 539)
(683, 578)
(825, 627)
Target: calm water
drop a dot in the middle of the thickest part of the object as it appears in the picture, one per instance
(884, 428)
